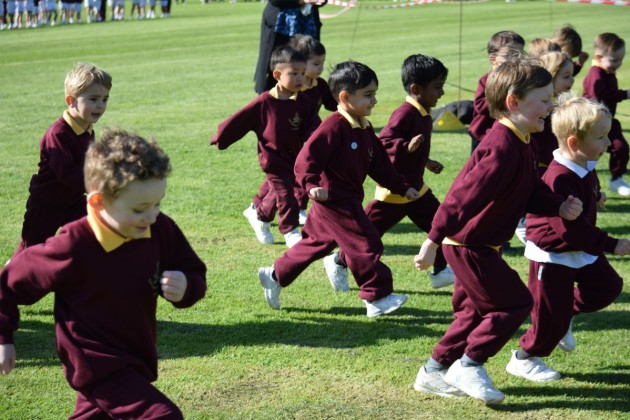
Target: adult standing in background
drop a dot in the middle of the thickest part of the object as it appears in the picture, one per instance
(281, 20)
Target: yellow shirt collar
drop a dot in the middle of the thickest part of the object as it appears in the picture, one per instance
(525, 138)
(108, 239)
(362, 122)
(417, 105)
(274, 92)
(78, 130)
(313, 84)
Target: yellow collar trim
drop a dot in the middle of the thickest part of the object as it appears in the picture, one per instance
(313, 84)
(274, 92)
(78, 130)
(525, 138)
(108, 239)
(362, 122)
(417, 105)
(596, 63)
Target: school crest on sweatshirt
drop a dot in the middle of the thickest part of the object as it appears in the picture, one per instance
(295, 121)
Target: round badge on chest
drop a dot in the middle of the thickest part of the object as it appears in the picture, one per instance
(354, 145)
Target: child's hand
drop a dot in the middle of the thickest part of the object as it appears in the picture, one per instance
(426, 255)
(412, 194)
(582, 57)
(415, 143)
(602, 200)
(434, 166)
(318, 194)
(174, 285)
(7, 358)
(623, 247)
(571, 208)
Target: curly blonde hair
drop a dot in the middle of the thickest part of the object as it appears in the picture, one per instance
(120, 157)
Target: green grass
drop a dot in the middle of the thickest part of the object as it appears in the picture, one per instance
(230, 356)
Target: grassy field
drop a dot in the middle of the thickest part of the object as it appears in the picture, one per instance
(230, 356)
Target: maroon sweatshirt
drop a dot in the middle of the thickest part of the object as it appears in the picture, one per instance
(495, 188)
(338, 158)
(603, 87)
(281, 126)
(59, 180)
(320, 95)
(405, 123)
(555, 234)
(105, 302)
(481, 120)
(544, 143)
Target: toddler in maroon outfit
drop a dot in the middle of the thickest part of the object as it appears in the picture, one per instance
(332, 167)
(107, 271)
(57, 191)
(601, 85)
(497, 185)
(407, 139)
(568, 272)
(282, 120)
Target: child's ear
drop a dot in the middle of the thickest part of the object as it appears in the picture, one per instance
(511, 103)
(572, 143)
(276, 74)
(96, 200)
(413, 89)
(343, 97)
(69, 100)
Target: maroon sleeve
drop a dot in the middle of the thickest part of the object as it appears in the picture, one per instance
(238, 125)
(314, 156)
(181, 257)
(580, 233)
(383, 171)
(394, 135)
(328, 100)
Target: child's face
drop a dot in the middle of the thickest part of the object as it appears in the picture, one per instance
(429, 95)
(563, 81)
(89, 106)
(530, 112)
(315, 66)
(611, 61)
(135, 209)
(291, 76)
(361, 102)
(594, 145)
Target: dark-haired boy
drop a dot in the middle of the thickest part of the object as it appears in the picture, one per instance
(601, 84)
(332, 167)
(407, 139)
(282, 119)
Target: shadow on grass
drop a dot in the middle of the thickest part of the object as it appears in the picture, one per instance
(607, 397)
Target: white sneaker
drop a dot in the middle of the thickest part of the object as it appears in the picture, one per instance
(337, 273)
(474, 381)
(302, 218)
(292, 238)
(567, 343)
(433, 383)
(619, 186)
(444, 278)
(272, 288)
(385, 305)
(261, 229)
(532, 368)
(520, 231)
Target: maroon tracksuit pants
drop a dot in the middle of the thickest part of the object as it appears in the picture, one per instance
(342, 223)
(385, 216)
(126, 394)
(561, 292)
(276, 194)
(490, 302)
(619, 150)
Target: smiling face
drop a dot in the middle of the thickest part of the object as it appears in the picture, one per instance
(135, 209)
(563, 80)
(88, 107)
(290, 76)
(429, 95)
(360, 103)
(529, 113)
(315, 66)
(611, 61)
(594, 145)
